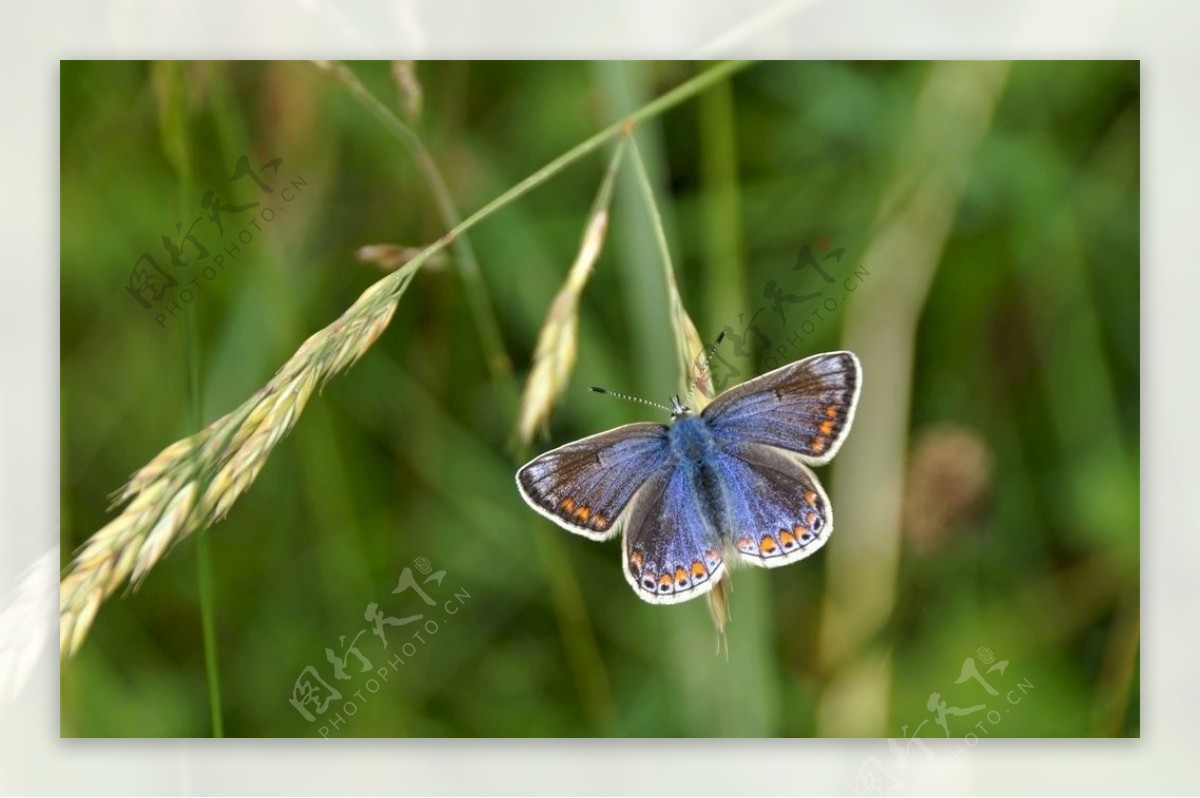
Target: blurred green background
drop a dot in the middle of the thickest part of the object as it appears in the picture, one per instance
(1018, 517)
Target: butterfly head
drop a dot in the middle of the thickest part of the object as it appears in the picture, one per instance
(679, 409)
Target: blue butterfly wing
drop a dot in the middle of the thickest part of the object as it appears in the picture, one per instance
(754, 494)
(777, 510)
(672, 549)
(585, 486)
(804, 407)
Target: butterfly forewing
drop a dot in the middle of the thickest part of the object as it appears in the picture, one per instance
(805, 407)
(585, 486)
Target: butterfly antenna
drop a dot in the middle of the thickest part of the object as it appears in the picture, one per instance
(629, 398)
(712, 351)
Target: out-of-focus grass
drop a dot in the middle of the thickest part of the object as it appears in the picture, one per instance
(1029, 338)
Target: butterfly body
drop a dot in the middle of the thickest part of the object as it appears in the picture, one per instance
(731, 482)
(696, 454)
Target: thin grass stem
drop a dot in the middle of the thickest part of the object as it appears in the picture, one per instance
(478, 299)
(554, 359)
(195, 481)
(204, 569)
(172, 117)
(688, 346)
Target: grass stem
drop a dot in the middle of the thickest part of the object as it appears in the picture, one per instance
(195, 481)
(478, 299)
(204, 569)
(688, 345)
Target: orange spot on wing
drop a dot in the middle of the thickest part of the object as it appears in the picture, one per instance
(826, 427)
(698, 570)
(681, 576)
(831, 411)
(746, 544)
(664, 580)
(786, 538)
(599, 521)
(810, 498)
(817, 445)
(568, 504)
(767, 544)
(582, 513)
(810, 519)
(636, 559)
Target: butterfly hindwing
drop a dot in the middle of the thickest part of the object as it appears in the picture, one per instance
(805, 407)
(672, 548)
(586, 485)
(777, 510)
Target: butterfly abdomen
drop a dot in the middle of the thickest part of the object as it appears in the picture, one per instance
(697, 452)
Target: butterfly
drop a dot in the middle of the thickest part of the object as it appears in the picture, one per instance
(730, 483)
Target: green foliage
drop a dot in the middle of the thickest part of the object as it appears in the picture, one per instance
(1029, 342)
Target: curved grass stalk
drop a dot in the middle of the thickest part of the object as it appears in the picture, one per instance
(170, 91)
(689, 348)
(478, 300)
(195, 481)
(693, 369)
(554, 355)
(553, 362)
